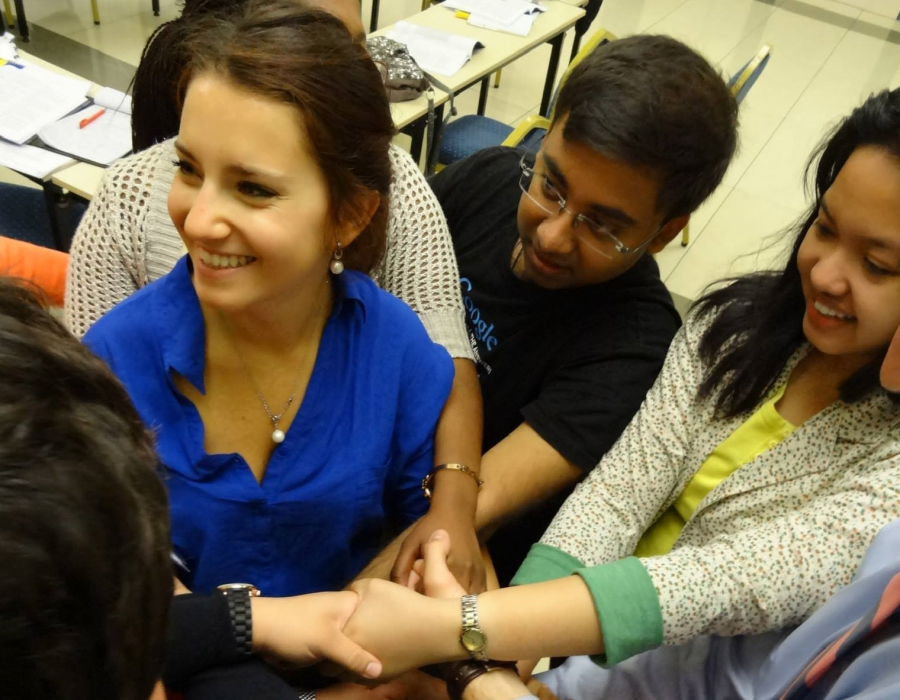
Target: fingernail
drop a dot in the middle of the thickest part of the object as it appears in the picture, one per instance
(436, 535)
(373, 670)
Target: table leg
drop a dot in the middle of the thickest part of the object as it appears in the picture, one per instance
(55, 198)
(432, 156)
(576, 45)
(373, 23)
(20, 17)
(416, 131)
(482, 97)
(556, 43)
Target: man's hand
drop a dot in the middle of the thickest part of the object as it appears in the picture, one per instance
(308, 628)
(463, 558)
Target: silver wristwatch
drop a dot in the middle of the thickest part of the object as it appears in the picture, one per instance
(473, 638)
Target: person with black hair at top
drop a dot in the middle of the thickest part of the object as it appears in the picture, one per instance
(567, 315)
(127, 240)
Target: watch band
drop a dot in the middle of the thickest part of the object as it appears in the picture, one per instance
(241, 618)
(464, 672)
(471, 628)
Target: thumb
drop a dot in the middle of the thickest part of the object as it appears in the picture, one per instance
(345, 652)
(439, 582)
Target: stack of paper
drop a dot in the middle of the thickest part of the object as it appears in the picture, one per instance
(435, 51)
(512, 16)
(32, 97)
(102, 141)
(28, 160)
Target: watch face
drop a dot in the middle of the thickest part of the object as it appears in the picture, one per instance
(249, 587)
(473, 640)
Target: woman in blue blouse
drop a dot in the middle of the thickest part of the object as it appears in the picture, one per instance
(294, 402)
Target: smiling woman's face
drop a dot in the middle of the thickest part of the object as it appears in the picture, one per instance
(849, 260)
(249, 199)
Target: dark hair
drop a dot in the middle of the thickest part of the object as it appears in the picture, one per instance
(307, 59)
(155, 113)
(759, 317)
(85, 580)
(652, 102)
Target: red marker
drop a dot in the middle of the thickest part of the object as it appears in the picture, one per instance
(87, 120)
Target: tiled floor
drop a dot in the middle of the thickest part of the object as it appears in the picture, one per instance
(827, 56)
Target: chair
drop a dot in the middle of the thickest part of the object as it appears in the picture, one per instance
(740, 85)
(25, 216)
(471, 133)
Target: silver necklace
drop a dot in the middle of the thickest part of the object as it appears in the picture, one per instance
(275, 418)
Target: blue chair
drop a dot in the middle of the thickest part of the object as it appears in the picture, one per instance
(471, 133)
(25, 215)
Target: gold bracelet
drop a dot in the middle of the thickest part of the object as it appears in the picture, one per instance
(428, 480)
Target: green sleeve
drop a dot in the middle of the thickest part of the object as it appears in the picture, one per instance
(545, 563)
(625, 598)
(627, 606)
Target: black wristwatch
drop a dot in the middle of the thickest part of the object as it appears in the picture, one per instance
(238, 596)
(464, 672)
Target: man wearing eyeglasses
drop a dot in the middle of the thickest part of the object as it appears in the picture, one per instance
(566, 312)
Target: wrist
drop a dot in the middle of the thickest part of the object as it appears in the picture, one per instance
(456, 493)
(260, 609)
(475, 680)
(446, 620)
(502, 684)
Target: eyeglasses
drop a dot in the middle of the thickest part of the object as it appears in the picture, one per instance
(595, 235)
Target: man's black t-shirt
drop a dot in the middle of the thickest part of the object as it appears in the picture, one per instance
(575, 364)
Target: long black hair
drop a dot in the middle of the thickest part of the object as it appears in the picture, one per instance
(759, 317)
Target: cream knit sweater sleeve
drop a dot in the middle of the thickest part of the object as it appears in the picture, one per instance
(420, 264)
(106, 261)
(126, 240)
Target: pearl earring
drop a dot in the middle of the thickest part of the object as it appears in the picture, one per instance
(337, 267)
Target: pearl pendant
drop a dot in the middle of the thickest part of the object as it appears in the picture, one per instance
(277, 436)
(337, 267)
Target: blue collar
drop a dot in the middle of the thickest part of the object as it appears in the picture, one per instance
(182, 331)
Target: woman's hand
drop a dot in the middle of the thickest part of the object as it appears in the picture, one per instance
(308, 628)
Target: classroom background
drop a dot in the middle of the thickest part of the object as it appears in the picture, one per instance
(826, 57)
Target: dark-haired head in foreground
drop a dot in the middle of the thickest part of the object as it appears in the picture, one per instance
(85, 579)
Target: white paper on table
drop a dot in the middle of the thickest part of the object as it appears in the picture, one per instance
(29, 160)
(32, 97)
(521, 27)
(112, 99)
(435, 51)
(503, 12)
(104, 140)
(8, 47)
(477, 5)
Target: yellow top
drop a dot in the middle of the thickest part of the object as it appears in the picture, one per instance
(760, 432)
